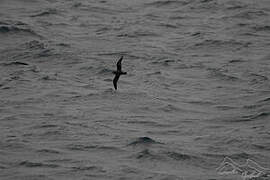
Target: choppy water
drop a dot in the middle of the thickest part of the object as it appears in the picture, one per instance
(197, 88)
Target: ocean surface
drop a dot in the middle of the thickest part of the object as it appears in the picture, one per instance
(197, 88)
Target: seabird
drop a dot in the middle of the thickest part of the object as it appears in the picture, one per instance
(118, 72)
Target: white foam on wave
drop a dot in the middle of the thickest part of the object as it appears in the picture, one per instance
(249, 170)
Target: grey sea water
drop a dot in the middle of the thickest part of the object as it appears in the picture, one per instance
(197, 88)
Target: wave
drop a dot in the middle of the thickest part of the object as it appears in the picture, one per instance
(236, 61)
(257, 116)
(138, 34)
(16, 63)
(179, 156)
(37, 164)
(46, 13)
(265, 100)
(147, 154)
(145, 123)
(169, 25)
(81, 147)
(236, 7)
(17, 28)
(261, 28)
(170, 108)
(45, 53)
(257, 78)
(105, 71)
(214, 44)
(12, 22)
(201, 102)
(170, 3)
(3, 167)
(87, 168)
(11, 28)
(97, 9)
(217, 73)
(167, 62)
(247, 118)
(252, 106)
(249, 14)
(35, 44)
(240, 155)
(225, 107)
(77, 4)
(50, 151)
(153, 73)
(63, 44)
(265, 146)
(46, 126)
(143, 141)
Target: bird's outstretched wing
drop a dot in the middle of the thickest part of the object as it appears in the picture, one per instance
(116, 77)
(119, 66)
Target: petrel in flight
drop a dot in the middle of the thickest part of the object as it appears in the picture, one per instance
(118, 72)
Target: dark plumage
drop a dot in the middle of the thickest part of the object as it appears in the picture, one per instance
(118, 72)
